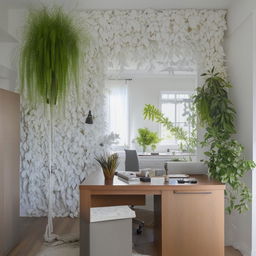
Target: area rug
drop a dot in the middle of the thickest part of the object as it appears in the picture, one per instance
(70, 249)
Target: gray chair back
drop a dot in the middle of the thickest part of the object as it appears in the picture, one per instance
(131, 161)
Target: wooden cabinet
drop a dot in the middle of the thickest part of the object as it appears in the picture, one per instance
(189, 219)
(197, 223)
(9, 170)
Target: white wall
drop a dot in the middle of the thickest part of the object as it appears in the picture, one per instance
(3, 17)
(239, 49)
(239, 12)
(254, 139)
(147, 91)
(3, 26)
(4, 84)
(8, 52)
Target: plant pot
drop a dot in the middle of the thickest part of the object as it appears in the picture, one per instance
(109, 180)
(109, 164)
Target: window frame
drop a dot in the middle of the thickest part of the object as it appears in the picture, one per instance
(161, 101)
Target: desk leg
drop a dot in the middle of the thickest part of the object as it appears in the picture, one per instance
(157, 223)
(166, 223)
(162, 208)
(85, 205)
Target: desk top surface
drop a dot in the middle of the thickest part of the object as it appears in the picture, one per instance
(95, 181)
(166, 154)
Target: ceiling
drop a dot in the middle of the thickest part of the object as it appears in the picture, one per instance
(122, 4)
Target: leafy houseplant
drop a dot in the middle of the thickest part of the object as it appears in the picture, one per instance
(147, 138)
(225, 161)
(109, 164)
(187, 142)
(50, 56)
(49, 65)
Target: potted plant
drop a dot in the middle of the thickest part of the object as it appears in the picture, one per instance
(109, 164)
(225, 161)
(147, 138)
(50, 60)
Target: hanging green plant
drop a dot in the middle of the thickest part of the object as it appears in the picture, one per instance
(50, 56)
(49, 64)
(225, 160)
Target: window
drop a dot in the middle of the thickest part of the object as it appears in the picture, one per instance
(175, 106)
(117, 109)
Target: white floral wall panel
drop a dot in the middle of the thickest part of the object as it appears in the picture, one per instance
(172, 37)
(185, 36)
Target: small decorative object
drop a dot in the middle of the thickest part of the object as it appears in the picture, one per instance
(159, 172)
(166, 172)
(157, 180)
(109, 164)
(147, 138)
(89, 119)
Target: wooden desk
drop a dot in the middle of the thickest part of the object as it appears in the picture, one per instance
(189, 219)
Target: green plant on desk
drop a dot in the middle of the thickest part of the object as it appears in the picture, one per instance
(109, 164)
(147, 138)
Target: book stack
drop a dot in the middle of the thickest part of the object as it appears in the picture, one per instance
(128, 177)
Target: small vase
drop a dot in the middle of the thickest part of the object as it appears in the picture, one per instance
(109, 180)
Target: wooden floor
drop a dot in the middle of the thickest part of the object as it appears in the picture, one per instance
(32, 230)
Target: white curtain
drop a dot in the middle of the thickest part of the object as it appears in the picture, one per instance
(117, 109)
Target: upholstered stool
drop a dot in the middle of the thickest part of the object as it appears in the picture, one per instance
(111, 231)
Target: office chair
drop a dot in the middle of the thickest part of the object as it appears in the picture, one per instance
(132, 165)
(131, 160)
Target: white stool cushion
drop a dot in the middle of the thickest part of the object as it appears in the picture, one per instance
(99, 214)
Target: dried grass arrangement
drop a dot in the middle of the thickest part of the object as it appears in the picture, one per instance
(109, 164)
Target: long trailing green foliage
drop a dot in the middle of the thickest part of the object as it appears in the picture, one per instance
(50, 56)
(49, 64)
(225, 160)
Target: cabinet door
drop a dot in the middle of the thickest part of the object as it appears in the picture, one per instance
(197, 223)
(9, 170)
